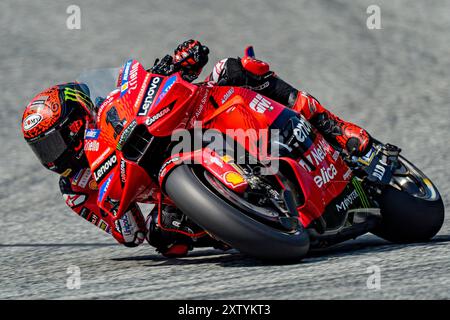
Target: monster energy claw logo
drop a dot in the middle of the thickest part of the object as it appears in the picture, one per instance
(78, 96)
(365, 202)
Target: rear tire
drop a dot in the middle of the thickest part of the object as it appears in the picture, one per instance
(230, 225)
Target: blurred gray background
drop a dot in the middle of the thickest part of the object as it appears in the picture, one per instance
(393, 81)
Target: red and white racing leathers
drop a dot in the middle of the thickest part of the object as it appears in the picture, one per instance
(80, 193)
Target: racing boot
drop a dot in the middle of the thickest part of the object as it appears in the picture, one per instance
(174, 235)
(348, 136)
(165, 234)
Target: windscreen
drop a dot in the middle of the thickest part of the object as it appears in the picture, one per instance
(99, 81)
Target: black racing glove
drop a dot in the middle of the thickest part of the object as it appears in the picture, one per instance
(191, 56)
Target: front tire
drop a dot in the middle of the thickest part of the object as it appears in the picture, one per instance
(227, 223)
(407, 219)
(412, 209)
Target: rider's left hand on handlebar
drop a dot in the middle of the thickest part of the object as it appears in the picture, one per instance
(164, 66)
(192, 56)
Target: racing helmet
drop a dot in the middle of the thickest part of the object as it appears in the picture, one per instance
(53, 124)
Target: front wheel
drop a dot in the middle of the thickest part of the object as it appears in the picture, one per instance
(200, 202)
(411, 207)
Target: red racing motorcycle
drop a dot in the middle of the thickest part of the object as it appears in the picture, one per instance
(211, 151)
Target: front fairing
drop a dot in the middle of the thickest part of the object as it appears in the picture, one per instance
(158, 103)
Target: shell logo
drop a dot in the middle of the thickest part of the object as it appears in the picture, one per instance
(93, 185)
(234, 178)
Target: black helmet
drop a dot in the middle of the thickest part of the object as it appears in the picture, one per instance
(53, 125)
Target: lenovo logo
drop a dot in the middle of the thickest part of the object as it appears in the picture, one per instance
(155, 82)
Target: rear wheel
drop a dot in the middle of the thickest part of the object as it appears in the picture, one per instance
(233, 220)
(411, 207)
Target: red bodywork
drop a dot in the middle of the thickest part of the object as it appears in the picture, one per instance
(165, 104)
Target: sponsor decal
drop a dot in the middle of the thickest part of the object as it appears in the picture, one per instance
(164, 166)
(202, 104)
(326, 175)
(91, 145)
(335, 155)
(167, 86)
(81, 178)
(104, 187)
(123, 172)
(159, 115)
(155, 83)
(319, 152)
(125, 134)
(101, 158)
(305, 166)
(66, 173)
(85, 178)
(93, 219)
(260, 104)
(302, 130)
(123, 89)
(364, 200)
(125, 74)
(379, 171)
(76, 177)
(77, 96)
(133, 77)
(345, 204)
(74, 200)
(227, 95)
(93, 185)
(216, 161)
(92, 134)
(104, 168)
(39, 103)
(31, 121)
(125, 225)
(347, 174)
(142, 90)
(84, 213)
(103, 225)
(234, 178)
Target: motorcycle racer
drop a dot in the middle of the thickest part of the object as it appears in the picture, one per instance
(59, 122)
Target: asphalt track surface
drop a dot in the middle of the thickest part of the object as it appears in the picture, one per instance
(394, 82)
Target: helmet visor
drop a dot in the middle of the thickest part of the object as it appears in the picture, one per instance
(50, 147)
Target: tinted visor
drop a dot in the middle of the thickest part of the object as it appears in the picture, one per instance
(50, 147)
